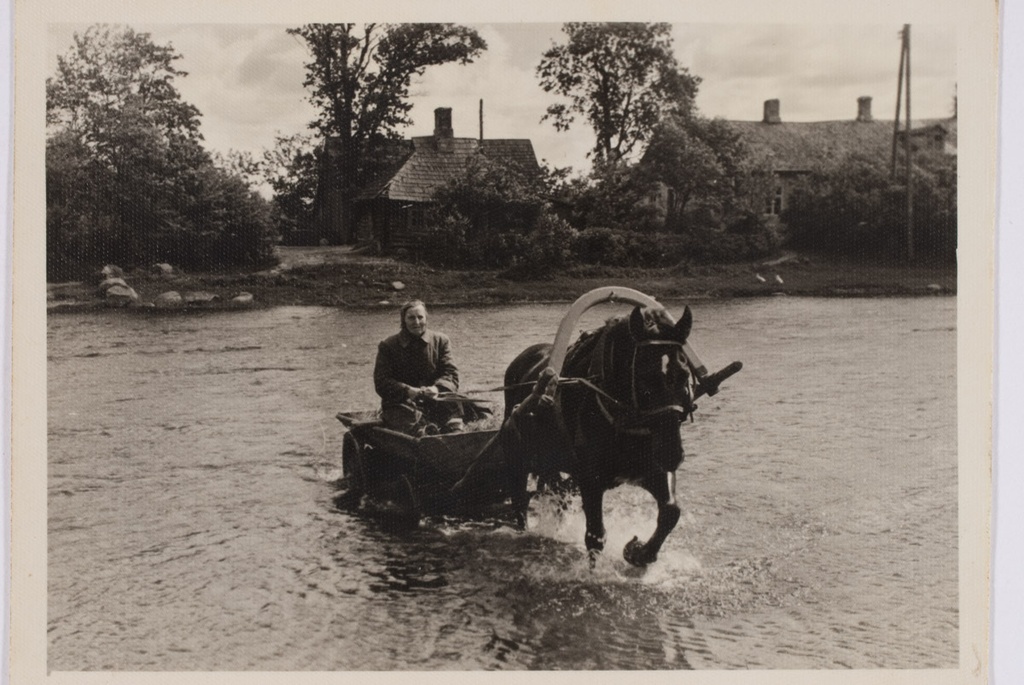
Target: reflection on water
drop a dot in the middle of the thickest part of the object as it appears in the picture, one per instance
(192, 526)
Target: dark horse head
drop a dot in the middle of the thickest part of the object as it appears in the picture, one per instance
(621, 396)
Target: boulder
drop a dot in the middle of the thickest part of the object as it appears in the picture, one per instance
(121, 296)
(169, 300)
(110, 282)
(163, 269)
(242, 299)
(200, 297)
(397, 286)
(112, 271)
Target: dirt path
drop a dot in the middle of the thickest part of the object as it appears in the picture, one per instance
(294, 257)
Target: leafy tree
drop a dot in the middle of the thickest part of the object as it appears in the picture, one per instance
(701, 160)
(359, 79)
(493, 195)
(853, 208)
(482, 215)
(613, 195)
(126, 171)
(112, 79)
(620, 77)
(240, 163)
(842, 208)
(290, 169)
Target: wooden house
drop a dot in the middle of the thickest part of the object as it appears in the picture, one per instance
(391, 207)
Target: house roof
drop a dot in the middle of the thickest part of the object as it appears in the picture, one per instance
(946, 126)
(432, 162)
(800, 145)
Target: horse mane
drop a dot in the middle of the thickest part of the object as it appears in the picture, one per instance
(585, 346)
(613, 325)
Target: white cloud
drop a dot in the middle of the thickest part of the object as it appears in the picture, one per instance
(247, 79)
(816, 71)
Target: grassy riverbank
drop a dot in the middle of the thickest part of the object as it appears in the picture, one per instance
(335, 276)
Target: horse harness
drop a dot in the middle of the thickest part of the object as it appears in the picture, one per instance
(626, 416)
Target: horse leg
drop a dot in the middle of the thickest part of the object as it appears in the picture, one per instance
(593, 510)
(520, 497)
(663, 488)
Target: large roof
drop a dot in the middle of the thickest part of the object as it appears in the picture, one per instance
(799, 145)
(432, 162)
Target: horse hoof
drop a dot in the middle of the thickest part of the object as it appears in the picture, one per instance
(635, 553)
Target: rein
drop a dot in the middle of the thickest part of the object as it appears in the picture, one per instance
(624, 416)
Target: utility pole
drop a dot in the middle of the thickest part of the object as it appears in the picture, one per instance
(899, 101)
(910, 150)
(907, 144)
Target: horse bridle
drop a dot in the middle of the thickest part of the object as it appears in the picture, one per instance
(633, 419)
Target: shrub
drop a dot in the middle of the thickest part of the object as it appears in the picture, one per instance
(854, 208)
(445, 243)
(604, 246)
(548, 248)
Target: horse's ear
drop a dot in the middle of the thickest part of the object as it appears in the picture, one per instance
(637, 324)
(683, 326)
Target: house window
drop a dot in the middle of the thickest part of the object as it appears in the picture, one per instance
(416, 219)
(774, 203)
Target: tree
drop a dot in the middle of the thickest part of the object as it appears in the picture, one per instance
(620, 77)
(290, 169)
(359, 79)
(703, 161)
(614, 195)
(852, 208)
(482, 215)
(127, 177)
(115, 88)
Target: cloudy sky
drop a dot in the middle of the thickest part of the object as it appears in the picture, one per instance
(247, 79)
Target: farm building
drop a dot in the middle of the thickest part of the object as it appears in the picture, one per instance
(390, 207)
(793, 149)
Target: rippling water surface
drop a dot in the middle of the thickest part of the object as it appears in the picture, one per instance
(191, 523)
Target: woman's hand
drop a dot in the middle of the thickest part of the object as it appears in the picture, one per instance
(428, 391)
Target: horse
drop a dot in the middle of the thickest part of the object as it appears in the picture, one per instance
(622, 395)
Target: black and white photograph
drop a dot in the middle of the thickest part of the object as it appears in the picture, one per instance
(372, 342)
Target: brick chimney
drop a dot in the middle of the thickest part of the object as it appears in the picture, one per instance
(864, 108)
(443, 134)
(771, 112)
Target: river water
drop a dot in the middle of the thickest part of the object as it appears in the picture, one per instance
(192, 463)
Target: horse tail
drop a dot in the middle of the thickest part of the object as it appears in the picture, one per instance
(524, 370)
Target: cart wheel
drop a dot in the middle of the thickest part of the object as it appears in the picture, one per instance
(352, 466)
(413, 501)
(401, 509)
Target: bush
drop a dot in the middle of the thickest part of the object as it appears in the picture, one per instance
(548, 248)
(604, 246)
(445, 243)
(491, 196)
(854, 208)
(201, 218)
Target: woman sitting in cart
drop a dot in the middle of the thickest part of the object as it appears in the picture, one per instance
(414, 368)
